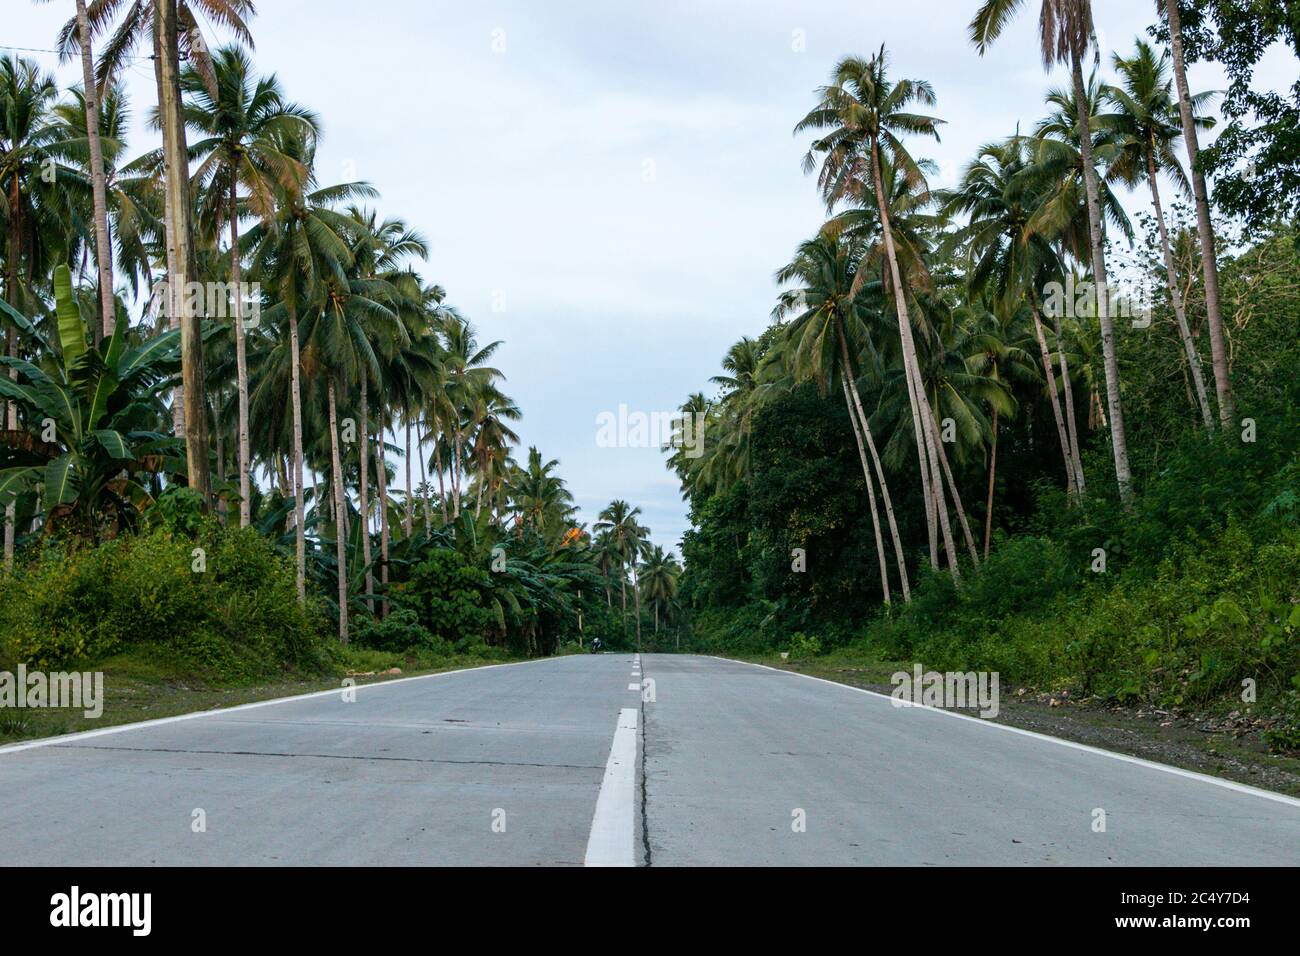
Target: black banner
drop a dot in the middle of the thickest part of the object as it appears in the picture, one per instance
(332, 905)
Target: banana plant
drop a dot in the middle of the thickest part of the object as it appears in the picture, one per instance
(88, 438)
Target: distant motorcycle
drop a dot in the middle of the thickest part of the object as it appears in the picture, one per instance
(596, 645)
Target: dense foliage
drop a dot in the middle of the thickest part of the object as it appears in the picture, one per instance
(246, 416)
(1018, 530)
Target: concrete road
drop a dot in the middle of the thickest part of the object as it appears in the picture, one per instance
(562, 762)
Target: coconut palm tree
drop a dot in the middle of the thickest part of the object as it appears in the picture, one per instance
(1066, 35)
(341, 335)
(294, 254)
(379, 252)
(1209, 256)
(627, 540)
(172, 28)
(133, 200)
(491, 439)
(659, 575)
(538, 495)
(240, 129)
(90, 104)
(826, 315)
(865, 113)
(992, 353)
(34, 208)
(466, 377)
(1010, 253)
(1146, 123)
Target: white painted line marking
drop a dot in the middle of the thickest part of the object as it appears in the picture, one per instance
(611, 840)
(221, 711)
(633, 686)
(1138, 761)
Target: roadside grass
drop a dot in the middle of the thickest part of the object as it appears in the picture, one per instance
(140, 684)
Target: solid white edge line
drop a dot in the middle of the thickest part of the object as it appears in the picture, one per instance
(1073, 745)
(611, 842)
(221, 711)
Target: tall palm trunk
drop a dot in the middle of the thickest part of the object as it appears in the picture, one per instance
(340, 509)
(442, 488)
(178, 211)
(11, 349)
(636, 599)
(169, 244)
(219, 439)
(622, 569)
(99, 186)
(299, 510)
(921, 403)
(424, 483)
(923, 463)
(993, 468)
(871, 496)
(1176, 297)
(1110, 360)
(865, 426)
(363, 460)
(381, 476)
(1067, 391)
(457, 467)
(408, 523)
(1209, 259)
(241, 366)
(956, 499)
(1050, 376)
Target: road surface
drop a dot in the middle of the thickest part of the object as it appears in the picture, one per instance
(565, 761)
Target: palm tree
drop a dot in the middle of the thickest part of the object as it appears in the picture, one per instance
(866, 112)
(241, 127)
(378, 252)
(172, 26)
(626, 539)
(1146, 123)
(294, 254)
(1066, 36)
(829, 315)
(133, 200)
(659, 574)
(34, 207)
(466, 378)
(1009, 254)
(991, 353)
(341, 337)
(538, 495)
(1209, 257)
(95, 163)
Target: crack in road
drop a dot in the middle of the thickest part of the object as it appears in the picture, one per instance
(267, 753)
(645, 799)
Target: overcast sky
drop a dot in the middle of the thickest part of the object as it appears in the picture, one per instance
(608, 186)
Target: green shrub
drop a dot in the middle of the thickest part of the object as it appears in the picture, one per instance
(224, 605)
(803, 647)
(445, 593)
(399, 632)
